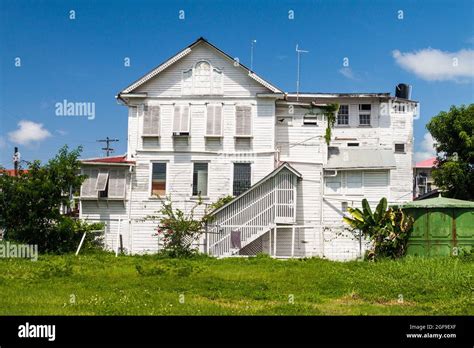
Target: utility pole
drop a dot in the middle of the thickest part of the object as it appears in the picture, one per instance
(298, 53)
(251, 54)
(107, 149)
(16, 160)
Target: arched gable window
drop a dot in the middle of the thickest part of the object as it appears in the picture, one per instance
(202, 79)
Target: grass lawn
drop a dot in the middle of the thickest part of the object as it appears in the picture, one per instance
(101, 284)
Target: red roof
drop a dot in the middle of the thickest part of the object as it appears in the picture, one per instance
(11, 172)
(428, 163)
(115, 159)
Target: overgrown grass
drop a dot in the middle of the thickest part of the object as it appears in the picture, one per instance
(101, 284)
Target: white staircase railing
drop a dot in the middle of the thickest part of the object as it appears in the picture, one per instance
(272, 200)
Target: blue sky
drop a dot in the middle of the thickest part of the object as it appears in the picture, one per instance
(82, 60)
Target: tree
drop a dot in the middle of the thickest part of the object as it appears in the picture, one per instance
(387, 229)
(30, 203)
(453, 132)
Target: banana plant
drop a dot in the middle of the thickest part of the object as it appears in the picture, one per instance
(388, 229)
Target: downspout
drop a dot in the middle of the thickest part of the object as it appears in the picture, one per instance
(321, 232)
(130, 229)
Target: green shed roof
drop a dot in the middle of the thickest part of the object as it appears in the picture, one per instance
(438, 202)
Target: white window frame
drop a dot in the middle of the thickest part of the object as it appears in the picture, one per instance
(365, 113)
(326, 192)
(358, 191)
(348, 116)
(252, 113)
(221, 133)
(102, 173)
(231, 190)
(124, 192)
(192, 178)
(150, 178)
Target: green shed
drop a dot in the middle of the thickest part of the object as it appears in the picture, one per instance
(443, 226)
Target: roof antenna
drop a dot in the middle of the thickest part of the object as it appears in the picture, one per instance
(298, 52)
(251, 54)
(107, 149)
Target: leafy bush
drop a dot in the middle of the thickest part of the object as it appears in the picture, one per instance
(388, 229)
(30, 204)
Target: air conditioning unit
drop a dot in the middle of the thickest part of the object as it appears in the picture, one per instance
(180, 134)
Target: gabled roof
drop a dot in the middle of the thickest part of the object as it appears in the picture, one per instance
(427, 163)
(185, 52)
(438, 202)
(116, 160)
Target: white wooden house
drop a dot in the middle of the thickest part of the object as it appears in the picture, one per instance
(201, 123)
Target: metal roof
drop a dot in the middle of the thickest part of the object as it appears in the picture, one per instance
(357, 158)
(428, 163)
(438, 202)
(117, 160)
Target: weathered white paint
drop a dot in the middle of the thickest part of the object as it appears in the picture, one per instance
(278, 134)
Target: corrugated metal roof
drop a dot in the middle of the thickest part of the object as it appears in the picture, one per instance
(427, 163)
(357, 158)
(438, 202)
(113, 160)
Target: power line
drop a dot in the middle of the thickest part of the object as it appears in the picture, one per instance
(107, 148)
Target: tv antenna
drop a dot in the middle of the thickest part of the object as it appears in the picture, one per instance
(107, 148)
(251, 54)
(298, 53)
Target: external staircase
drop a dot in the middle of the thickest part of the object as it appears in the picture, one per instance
(269, 202)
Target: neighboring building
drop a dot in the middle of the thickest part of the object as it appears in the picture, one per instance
(423, 183)
(201, 123)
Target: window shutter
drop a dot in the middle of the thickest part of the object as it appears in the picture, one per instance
(146, 122)
(89, 184)
(185, 118)
(101, 183)
(117, 183)
(210, 120)
(177, 119)
(218, 120)
(214, 120)
(155, 120)
(243, 120)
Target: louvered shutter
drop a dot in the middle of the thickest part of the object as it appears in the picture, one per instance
(102, 179)
(146, 120)
(210, 120)
(177, 119)
(218, 120)
(243, 120)
(185, 119)
(88, 186)
(117, 183)
(155, 120)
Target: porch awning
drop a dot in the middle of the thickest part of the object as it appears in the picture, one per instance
(356, 158)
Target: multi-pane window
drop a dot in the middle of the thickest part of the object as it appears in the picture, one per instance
(214, 120)
(364, 114)
(151, 120)
(243, 121)
(343, 115)
(354, 182)
(158, 179)
(400, 148)
(242, 178)
(200, 174)
(181, 120)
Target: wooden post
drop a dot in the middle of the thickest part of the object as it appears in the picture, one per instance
(275, 242)
(293, 241)
(80, 244)
(118, 237)
(270, 241)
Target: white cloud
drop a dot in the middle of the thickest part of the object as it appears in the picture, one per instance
(435, 65)
(427, 149)
(348, 73)
(28, 132)
(61, 132)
